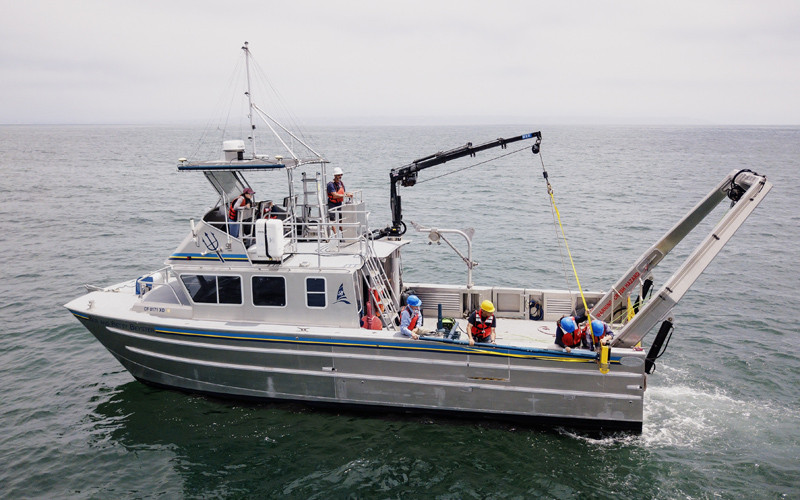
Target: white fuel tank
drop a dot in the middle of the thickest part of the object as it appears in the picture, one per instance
(269, 239)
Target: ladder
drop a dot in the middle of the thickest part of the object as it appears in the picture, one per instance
(381, 293)
(313, 211)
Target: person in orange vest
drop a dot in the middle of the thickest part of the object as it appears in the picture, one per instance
(243, 201)
(482, 324)
(336, 196)
(569, 334)
(411, 318)
(601, 334)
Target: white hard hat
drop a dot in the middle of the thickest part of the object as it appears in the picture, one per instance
(337, 171)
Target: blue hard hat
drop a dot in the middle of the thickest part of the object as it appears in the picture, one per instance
(568, 325)
(598, 328)
(414, 301)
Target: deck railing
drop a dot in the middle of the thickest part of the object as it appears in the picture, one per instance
(336, 230)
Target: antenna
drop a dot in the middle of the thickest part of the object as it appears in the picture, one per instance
(252, 135)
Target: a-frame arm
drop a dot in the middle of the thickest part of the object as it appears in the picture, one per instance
(746, 189)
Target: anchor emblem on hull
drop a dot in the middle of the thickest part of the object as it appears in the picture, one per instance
(211, 242)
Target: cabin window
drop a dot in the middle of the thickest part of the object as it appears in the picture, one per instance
(210, 289)
(315, 292)
(230, 289)
(269, 291)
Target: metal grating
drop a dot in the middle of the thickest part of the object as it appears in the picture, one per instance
(450, 300)
(557, 306)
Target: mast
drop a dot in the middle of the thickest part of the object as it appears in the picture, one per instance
(252, 136)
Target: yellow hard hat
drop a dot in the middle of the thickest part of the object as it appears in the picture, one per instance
(487, 306)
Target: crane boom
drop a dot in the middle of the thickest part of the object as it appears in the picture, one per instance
(407, 175)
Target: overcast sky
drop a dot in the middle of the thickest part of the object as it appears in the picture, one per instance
(340, 61)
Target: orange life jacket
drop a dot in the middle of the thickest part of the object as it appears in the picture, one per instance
(377, 299)
(414, 317)
(231, 210)
(331, 198)
(482, 325)
(574, 339)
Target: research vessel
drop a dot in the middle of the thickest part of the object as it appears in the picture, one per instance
(296, 305)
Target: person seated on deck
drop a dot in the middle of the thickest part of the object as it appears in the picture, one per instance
(273, 211)
(569, 334)
(482, 324)
(241, 202)
(410, 317)
(601, 334)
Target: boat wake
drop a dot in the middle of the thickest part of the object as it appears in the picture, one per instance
(686, 417)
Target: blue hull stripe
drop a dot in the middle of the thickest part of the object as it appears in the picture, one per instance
(435, 345)
(235, 257)
(432, 344)
(79, 315)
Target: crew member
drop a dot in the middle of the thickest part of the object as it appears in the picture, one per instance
(569, 334)
(243, 201)
(411, 318)
(336, 196)
(601, 334)
(482, 323)
(273, 211)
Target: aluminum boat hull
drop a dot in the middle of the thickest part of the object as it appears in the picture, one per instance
(535, 386)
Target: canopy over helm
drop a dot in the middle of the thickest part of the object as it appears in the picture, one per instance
(487, 306)
(337, 171)
(598, 328)
(568, 325)
(414, 301)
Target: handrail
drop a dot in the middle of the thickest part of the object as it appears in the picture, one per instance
(168, 276)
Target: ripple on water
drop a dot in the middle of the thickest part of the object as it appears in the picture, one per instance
(721, 419)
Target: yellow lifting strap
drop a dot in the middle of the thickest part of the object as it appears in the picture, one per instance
(605, 351)
(566, 244)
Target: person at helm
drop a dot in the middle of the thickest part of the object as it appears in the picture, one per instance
(482, 324)
(411, 318)
(243, 201)
(336, 196)
(569, 333)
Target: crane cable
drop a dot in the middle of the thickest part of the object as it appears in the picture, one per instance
(566, 244)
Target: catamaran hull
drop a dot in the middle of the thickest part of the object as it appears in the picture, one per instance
(510, 384)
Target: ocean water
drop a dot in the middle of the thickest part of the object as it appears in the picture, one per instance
(102, 204)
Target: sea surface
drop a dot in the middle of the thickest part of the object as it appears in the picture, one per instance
(103, 204)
